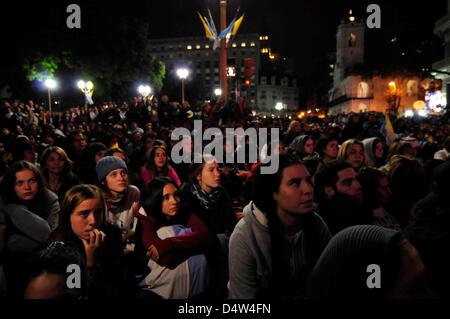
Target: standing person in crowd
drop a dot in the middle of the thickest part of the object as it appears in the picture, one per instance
(275, 246)
(339, 196)
(176, 241)
(158, 165)
(342, 271)
(376, 193)
(352, 151)
(28, 213)
(76, 151)
(122, 199)
(374, 152)
(56, 167)
(164, 110)
(205, 196)
(84, 224)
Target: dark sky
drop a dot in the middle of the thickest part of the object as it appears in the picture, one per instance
(304, 30)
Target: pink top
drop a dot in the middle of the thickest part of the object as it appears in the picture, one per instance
(146, 175)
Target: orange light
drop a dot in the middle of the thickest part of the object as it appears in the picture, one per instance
(247, 82)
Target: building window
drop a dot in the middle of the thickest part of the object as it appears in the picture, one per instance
(243, 44)
(352, 40)
(234, 45)
(206, 46)
(197, 46)
(252, 44)
(363, 90)
(411, 88)
(189, 47)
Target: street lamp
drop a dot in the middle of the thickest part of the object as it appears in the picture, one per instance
(50, 84)
(218, 92)
(88, 89)
(144, 90)
(279, 106)
(182, 74)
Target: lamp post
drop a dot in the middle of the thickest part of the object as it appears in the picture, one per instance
(223, 50)
(145, 91)
(218, 92)
(50, 84)
(87, 88)
(182, 74)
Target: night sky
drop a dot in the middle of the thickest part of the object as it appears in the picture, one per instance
(302, 30)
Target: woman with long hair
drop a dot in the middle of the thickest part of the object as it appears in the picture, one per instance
(158, 165)
(209, 200)
(29, 213)
(84, 224)
(352, 151)
(56, 167)
(175, 239)
(275, 246)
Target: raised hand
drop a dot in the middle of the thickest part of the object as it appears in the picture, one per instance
(96, 238)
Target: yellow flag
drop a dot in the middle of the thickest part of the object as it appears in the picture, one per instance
(208, 32)
(390, 134)
(236, 26)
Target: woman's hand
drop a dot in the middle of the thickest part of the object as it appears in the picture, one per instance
(96, 238)
(153, 253)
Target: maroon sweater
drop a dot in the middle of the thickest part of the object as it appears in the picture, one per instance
(173, 251)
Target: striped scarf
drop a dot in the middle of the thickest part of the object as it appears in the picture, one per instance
(207, 200)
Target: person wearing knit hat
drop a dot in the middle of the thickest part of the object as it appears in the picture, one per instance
(368, 262)
(108, 164)
(122, 199)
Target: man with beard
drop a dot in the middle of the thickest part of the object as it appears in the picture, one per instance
(339, 196)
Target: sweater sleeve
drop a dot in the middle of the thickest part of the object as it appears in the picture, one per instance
(242, 268)
(174, 250)
(53, 214)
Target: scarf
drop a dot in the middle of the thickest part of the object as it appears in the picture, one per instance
(115, 202)
(207, 200)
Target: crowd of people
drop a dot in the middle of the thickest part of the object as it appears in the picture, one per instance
(95, 187)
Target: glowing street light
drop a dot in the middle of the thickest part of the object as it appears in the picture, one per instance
(182, 73)
(218, 92)
(144, 90)
(88, 89)
(50, 84)
(279, 106)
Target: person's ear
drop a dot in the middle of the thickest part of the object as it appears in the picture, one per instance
(329, 191)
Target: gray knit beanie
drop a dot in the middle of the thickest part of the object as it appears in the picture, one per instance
(108, 164)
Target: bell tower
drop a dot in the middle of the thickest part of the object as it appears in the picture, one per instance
(349, 47)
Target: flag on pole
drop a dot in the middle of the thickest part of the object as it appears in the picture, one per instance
(387, 130)
(208, 31)
(236, 26)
